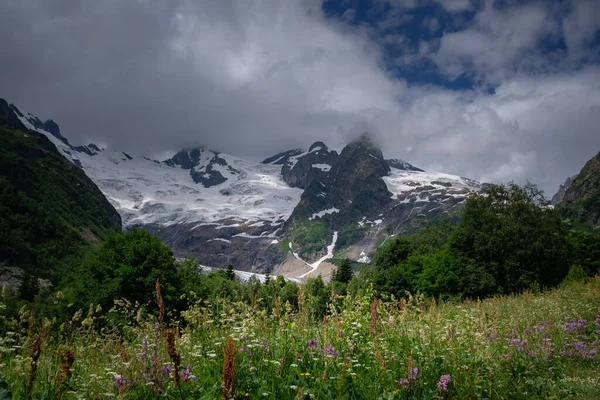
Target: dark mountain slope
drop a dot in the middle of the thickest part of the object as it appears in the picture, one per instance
(50, 210)
(581, 200)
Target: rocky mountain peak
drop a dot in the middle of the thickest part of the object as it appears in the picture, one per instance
(318, 146)
(353, 188)
(560, 194)
(401, 164)
(48, 126)
(283, 157)
(91, 150)
(8, 117)
(363, 156)
(52, 127)
(300, 170)
(185, 158)
(206, 167)
(582, 198)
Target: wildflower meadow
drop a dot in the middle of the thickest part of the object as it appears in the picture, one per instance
(534, 345)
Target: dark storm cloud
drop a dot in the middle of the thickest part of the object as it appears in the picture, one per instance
(252, 78)
(255, 77)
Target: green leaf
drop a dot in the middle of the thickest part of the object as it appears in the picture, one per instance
(5, 393)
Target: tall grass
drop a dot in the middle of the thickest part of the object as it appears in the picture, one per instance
(515, 347)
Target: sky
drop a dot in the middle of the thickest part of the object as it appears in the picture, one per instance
(493, 90)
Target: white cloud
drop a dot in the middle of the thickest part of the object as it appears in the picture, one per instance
(256, 77)
(541, 128)
(455, 5)
(493, 47)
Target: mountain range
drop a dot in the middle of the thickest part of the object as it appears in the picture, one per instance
(293, 213)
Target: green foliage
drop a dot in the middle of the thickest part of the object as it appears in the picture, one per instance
(343, 273)
(511, 234)
(317, 296)
(126, 266)
(29, 287)
(51, 211)
(426, 241)
(230, 272)
(285, 246)
(585, 251)
(507, 240)
(350, 234)
(575, 273)
(308, 236)
(5, 393)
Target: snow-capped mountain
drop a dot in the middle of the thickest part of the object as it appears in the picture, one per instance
(195, 186)
(289, 213)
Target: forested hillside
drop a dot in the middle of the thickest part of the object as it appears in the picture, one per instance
(51, 211)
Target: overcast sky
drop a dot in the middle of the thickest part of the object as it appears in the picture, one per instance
(492, 90)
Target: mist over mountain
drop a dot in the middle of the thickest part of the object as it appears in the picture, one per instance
(446, 87)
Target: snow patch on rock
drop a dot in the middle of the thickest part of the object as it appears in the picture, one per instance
(321, 214)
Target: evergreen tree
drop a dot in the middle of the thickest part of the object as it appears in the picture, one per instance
(230, 273)
(344, 272)
(29, 287)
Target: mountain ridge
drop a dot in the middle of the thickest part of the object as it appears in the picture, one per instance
(581, 200)
(224, 209)
(51, 210)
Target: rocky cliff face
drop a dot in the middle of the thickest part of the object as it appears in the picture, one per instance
(582, 199)
(205, 166)
(300, 169)
(362, 201)
(560, 194)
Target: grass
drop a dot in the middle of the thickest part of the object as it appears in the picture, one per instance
(531, 346)
(350, 234)
(308, 237)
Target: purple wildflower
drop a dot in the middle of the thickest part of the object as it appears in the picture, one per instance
(186, 374)
(413, 374)
(330, 351)
(145, 358)
(575, 325)
(166, 370)
(122, 383)
(312, 345)
(442, 385)
(518, 344)
(405, 383)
